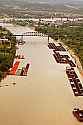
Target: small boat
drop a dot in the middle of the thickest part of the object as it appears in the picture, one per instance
(78, 114)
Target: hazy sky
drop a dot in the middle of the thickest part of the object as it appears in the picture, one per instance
(52, 1)
(48, 1)
(45, 0)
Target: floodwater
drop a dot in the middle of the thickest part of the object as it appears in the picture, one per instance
(45, 96)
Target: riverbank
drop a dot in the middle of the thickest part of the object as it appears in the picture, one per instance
(75, 57)
(77, 61)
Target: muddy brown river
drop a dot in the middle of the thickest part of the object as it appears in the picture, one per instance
(44, 97)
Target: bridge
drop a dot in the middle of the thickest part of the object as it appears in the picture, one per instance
(32, 34)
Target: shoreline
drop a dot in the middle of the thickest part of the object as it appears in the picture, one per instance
(75, 57)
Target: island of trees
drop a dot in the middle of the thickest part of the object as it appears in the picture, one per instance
(7, 51)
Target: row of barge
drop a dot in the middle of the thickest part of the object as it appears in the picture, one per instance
(15, 70)
(62, 59)
(75, 82)
(19, 68)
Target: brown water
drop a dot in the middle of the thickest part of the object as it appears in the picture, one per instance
(45, 96)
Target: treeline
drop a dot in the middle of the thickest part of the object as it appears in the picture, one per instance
(23, 22)
(70, 35)
(7, 52)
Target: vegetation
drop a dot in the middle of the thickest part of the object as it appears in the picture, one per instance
(7, 50)
(23, 22)
(70, 35)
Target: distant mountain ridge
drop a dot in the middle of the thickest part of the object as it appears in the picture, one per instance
(45, 1)
(67, 3)
(40, 7)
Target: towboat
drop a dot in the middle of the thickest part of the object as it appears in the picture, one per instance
(78, 114)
